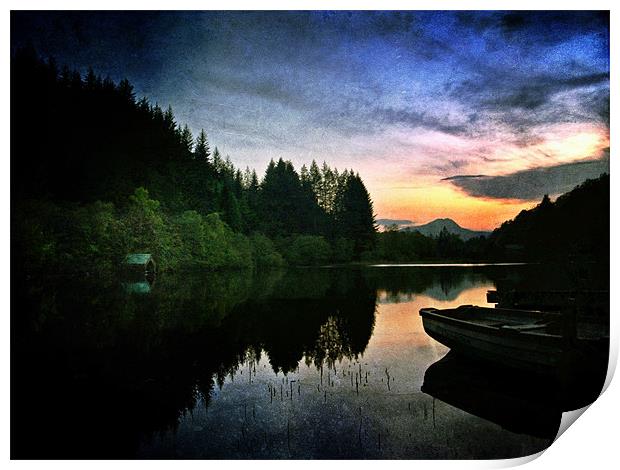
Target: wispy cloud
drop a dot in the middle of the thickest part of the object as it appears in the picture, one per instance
(530, 184)
(404, 97)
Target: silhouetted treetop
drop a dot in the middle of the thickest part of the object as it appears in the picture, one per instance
(97, 142)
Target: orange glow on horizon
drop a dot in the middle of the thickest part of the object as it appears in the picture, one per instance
(422, 205)
(416, 193)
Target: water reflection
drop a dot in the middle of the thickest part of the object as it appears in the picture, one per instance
(515, 401)
(518, 401)
(295, 364)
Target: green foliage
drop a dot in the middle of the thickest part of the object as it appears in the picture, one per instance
(306, 250)
(231, 207)
(140, 145)
(147, 230)
(202, 151)
(225, 247)
(354, 214)
(95, 237)
(84, 238)
(408, 246)
(343, 250)
(100, 234)
(404, 246)
(282, 201)
(264, 252)
(201, 210)
(190, 227)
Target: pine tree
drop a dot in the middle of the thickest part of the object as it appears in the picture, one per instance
(328, 188)
(126, 91)
(201, 149)
(316, 180)
(217, 159)
(169, 123)
(157, 114)
(304, 176)
(143, 146)
(92, 81)
(354, 215)
(230, 207)
(187, 140)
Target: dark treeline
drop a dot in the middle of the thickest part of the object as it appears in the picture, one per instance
(395, 246)
(573, 228)
(97, 173)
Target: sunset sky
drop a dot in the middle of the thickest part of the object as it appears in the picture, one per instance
(467, 115)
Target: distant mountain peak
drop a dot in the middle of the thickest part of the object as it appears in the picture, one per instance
(433, 228)
(445, 221)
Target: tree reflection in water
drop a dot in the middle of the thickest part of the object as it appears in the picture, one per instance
(97, 368)
(96, 365)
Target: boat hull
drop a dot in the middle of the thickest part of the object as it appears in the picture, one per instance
(533, 352)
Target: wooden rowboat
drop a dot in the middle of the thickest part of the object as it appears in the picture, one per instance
(541, 342)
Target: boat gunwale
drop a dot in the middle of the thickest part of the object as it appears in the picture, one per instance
(433, 313)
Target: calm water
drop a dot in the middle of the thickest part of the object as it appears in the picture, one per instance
(322, 363)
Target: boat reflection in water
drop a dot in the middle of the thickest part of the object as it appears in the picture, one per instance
(518, 401)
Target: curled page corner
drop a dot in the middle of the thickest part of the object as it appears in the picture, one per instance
(518, 461)
(568, 418)
(611, 366)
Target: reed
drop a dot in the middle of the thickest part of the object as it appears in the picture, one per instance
(359, 432)
(288, 435)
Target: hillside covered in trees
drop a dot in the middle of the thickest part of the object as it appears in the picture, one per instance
(97, 174)
(573, 228)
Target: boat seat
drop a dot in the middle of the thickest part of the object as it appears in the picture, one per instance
(529, 327)
(492, 323)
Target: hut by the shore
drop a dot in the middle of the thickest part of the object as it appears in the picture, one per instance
(141, 262)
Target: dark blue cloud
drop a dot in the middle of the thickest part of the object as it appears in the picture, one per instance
(531, 184)
(256, 79)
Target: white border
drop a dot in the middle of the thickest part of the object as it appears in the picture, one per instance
(591, 442)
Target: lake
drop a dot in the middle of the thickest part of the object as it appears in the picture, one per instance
(297, 364)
